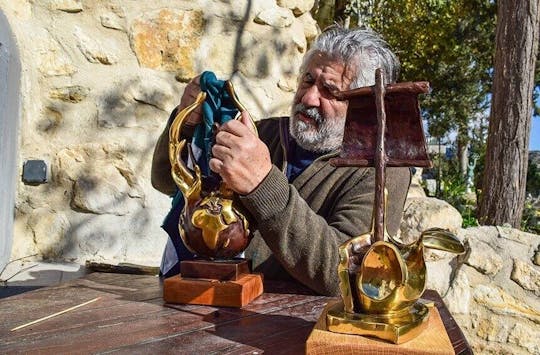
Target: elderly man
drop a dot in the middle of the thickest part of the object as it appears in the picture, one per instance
(301, 208)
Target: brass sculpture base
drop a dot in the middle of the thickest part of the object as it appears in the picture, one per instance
(433, 340)
(396, 327)
(227, 284)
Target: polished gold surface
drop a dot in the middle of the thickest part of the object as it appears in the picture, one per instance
(207, 215)
(397, 327)
(381, 284)
(241, 108)
(189, 185)
(214, 216)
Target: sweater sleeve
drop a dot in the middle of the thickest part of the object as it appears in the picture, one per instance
(305, 243)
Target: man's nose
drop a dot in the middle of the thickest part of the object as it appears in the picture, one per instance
(312, 97)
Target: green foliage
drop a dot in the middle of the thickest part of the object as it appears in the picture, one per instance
(469, 217)
(453, 189)
(451, 45)
(533, 179)
(530, 222)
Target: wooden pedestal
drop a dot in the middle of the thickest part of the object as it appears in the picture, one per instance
(433, 340)
(229, 270)
(227, 284)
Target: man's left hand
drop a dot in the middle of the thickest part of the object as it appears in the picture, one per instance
(239, 156)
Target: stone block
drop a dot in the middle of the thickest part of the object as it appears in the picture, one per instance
(71, 6)
(421, 214)
(483, 257)
(498, 301)
(458, 299)
(93, 50)
(275, 17)
(526, 275)
(168, 39)
(298, 7)
(526, 336)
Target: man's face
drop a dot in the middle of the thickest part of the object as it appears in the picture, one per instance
(317, 118)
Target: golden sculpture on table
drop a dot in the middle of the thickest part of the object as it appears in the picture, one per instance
(382, 279)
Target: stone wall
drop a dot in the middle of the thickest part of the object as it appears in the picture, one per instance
(493, 289)
(99, 79)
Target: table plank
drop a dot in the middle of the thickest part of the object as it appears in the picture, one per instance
(130, 317)
(283, 330)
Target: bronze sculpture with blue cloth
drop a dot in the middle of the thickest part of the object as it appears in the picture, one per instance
(203, 215)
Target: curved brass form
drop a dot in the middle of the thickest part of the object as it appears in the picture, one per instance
(381, 280)
(241, 108)
(210, 226)
(381, 284)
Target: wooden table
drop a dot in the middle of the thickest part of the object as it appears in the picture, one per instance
(130, 318)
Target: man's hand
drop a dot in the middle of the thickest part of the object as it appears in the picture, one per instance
(191, 91)
(239, 156)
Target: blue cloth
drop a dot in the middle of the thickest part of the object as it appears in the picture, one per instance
(218, 107)
(175, 250)
(298, 159)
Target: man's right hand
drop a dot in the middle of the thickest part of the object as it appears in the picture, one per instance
(191, 91)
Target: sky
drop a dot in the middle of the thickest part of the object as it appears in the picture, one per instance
(534, 143)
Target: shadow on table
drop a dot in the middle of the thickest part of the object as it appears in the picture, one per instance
(271, 333)
(287, 287)
(278, 322)
(129, 287)
(20, 279)
(8, 291)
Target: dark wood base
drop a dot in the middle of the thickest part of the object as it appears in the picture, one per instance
(433, 340)
(226, 270)
(236, 293)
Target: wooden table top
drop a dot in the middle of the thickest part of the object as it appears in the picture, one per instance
(130, 317)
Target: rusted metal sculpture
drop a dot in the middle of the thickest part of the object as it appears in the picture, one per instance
(382, 279)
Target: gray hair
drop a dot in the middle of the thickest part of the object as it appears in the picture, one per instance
(361, 49)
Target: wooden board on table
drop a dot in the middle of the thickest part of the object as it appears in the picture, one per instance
(237, 293)
(433, 340)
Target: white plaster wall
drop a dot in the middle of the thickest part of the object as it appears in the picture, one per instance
(9, 116)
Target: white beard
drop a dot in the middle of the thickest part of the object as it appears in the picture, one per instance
(325, 135)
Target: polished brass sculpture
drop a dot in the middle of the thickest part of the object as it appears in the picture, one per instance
(210, 225)
(382, 279)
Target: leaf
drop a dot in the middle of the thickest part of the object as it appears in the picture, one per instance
(442, 239)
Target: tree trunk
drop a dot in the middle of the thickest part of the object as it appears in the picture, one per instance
(323, 12)
(339, 12)
(462, 152)
(503, 192)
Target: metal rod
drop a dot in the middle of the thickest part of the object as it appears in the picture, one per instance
(379, 207)
(417, 87)
(55, 314)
